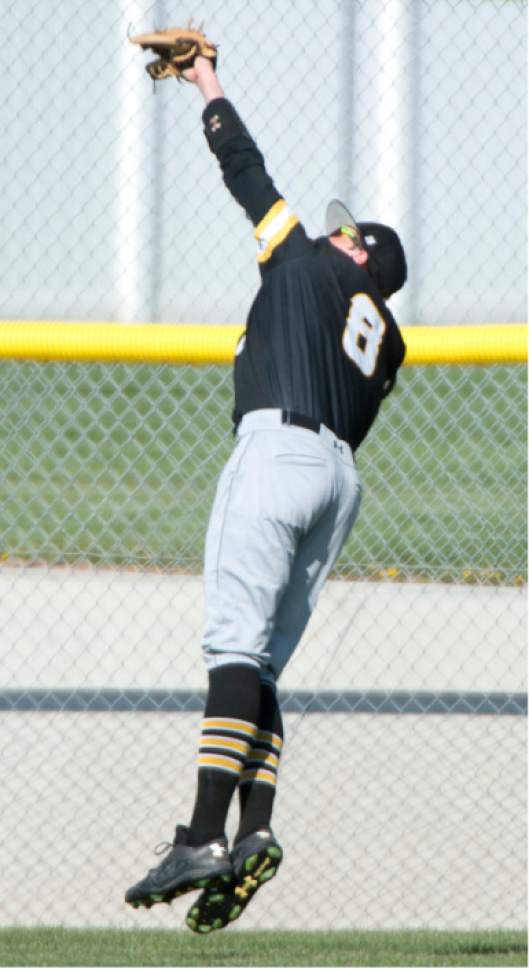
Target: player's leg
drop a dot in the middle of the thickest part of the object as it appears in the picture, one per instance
(258, 780)
(315, 558)
(246, 566)
(199, 855)
(228, 728)
(256, 853)
(249, 550)
(279, 492)
(251, 546)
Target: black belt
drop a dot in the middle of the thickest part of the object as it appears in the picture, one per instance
(291, 418)
(294, 419)
(298, 420)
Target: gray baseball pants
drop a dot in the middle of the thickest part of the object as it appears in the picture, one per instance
(286, 501)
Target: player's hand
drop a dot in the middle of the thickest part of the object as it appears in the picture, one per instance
(203, 74)
(202, 70)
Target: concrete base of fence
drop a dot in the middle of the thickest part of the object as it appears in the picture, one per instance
(111, 629)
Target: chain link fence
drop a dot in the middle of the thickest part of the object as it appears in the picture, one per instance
(412, 112)
(408, 689)
(408, 686)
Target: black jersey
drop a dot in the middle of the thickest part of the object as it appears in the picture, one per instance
(319, 338)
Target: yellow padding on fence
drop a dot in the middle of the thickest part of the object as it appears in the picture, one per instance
(201, 344)
(118, 342)
(492, 343)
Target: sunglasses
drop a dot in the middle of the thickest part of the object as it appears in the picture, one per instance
(352, 233)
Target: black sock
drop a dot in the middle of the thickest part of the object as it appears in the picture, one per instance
(229, 725)
(257, 783)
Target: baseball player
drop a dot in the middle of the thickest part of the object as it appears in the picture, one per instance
(320, 352)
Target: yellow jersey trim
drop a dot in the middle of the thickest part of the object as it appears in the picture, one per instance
(274, 228)
(277, 207)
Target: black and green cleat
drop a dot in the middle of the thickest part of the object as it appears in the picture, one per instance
(184, 869)
(255, 861)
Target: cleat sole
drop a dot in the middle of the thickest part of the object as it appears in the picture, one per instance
(267, 875)
(251, 862)
(216, 908)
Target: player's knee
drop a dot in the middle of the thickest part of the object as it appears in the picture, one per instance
(214, 658)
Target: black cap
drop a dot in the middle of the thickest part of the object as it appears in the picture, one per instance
(387, 262)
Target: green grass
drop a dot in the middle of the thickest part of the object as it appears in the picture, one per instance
(118, 464)
(60, 946)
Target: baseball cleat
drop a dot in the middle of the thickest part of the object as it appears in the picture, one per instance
(255, 861)
(184, 869)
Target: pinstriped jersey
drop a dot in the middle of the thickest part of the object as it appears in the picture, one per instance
(319, 338)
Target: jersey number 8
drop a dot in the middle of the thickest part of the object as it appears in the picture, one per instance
(364, 333)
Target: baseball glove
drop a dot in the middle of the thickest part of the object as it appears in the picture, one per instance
(177, 48)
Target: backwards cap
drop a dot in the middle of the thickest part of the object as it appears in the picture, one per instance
(387, 262)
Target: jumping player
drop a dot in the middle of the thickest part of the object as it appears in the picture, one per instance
(320, 352)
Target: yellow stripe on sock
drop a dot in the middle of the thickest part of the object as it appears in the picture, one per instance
(224, 742)
(216, 761)
(265, 757)
(258, 775)
(272, 738)
(231, 726)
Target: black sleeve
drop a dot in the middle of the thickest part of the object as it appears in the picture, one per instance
(241, 162)
(278, 230)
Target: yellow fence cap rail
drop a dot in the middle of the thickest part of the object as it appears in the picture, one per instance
(118, 342)
(204, 343)
(492, 343)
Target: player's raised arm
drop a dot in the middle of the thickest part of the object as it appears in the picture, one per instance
(241, 162)
(188, 54)
(278, 230)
